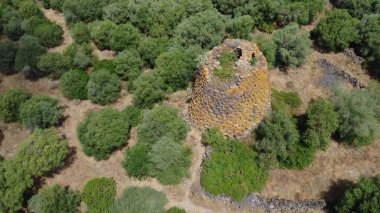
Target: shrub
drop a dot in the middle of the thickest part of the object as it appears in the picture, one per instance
(10, 103)
(140, 200)
(40, 112)
(206, 29)
(128, 65)
(27, 56)
(148, 90)
(53, 64)
(278, 136)
(133, 115)
(161, 122)
(240, 27)
(336, 31)
(285, 100)
(268, 47)
(362, 197)
(103, 87)
(150, 48)
(83, 10)
(293, 46)
(28, 9)
(227, 62)
(299, 157)
(124, 37)
(116, 12)
(80, 33)
(175, 210)
(102, 132)
(359, 8)
(101, 33)
(104, 64)
(55, 199)
(80, 56)
(74, 84)
(136, 161)
(232, 169)
(12, 24)
(54, 4)
(99, 194)
(42, 152)
(8, 53)
(169, 161)
(322, 121)
(358, 116)
(49, 34)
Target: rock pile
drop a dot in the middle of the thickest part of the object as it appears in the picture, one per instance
(352, 56)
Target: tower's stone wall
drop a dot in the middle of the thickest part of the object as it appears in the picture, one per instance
(235, 106)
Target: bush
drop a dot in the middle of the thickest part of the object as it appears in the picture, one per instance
(128, 66)
(133, 115)
(175, 210)
(150, 48)
(74, 84)
(124, 37)
(10, 103)
(169, 161)
(336, 31)
(285, 100)
(278, 136)
(362, 197)
(55, 199)
(227, 62)
(54, 4)
(148, 90)
(240, 27)
(136, 161)
(206, 29)
(8, 53)
(102, 132)
(49, 34)
(299, 157)
(83, 10)
(358, 116)
(80, 56)
(140, 200)
(42, 152)
(268, 47)
(232, 169)
(80, 33)
(53, 64)
(103, 87)
(27, 56)
(40, 112)
(322, 121)
(99, 194)
(116, 12)
(161, 122)
(104, 64)
(101, 33)
(12, 24)
(28, 9)
(359, 8)
(293, 46)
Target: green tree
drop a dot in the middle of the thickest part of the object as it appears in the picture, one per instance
(169, 161)
(133, 114)
(99, 194)
(322, 121)
(54, 4)
(140, 200)
(160, 122)
(293, 46)
(83, 10)
(359, 8)
(128, 66)
(268, 47)
(80, 33)
(358, 116)
(55, 199)
(48, 33)
(148, 90)
(206, 29)
(10, 103)
(53, 64)
(150, 48)
(115, 12)
(27, 56)
(364, 196)
(102, 132)
(124, 37)
(12, 24)
(8, 53)
(103, 87)
(336, 31)
(136, 162)
(80, 56)
(101, 33)
(40, 112)
(28, 9)
(240, 27)
(74, 84)
(42, 152)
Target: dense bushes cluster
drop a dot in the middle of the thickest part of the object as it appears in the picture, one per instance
(102, 132)
(41, 153)
(159, 152)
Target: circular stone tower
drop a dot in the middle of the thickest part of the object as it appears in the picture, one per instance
(235, 105)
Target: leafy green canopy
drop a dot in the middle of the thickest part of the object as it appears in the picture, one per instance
(102, 132)
(232, 169)
(103, 87)
(10, 102)
(74, 84)
(99, 194)
(8, 53)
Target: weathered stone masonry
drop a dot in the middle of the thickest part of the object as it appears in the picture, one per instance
(235, 106)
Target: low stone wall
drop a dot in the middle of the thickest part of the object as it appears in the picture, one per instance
(234, 106)
(331, 68)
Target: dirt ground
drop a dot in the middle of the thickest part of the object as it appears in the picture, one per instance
(330, 170)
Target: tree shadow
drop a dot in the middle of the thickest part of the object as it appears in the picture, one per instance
(335, 192)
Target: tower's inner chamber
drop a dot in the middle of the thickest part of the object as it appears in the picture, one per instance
(235, 105)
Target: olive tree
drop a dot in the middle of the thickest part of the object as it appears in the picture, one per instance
(103, 87)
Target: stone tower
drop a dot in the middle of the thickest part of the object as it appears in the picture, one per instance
(236, 106)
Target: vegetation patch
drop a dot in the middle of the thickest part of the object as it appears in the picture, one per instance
(227, 62)
(99, 194)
